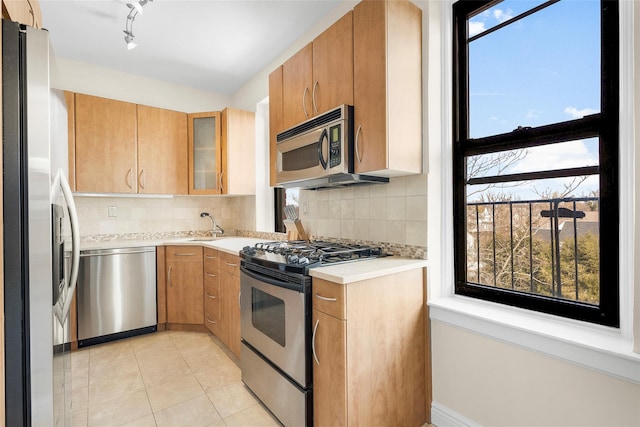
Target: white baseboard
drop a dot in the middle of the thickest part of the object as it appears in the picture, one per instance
(442, 416)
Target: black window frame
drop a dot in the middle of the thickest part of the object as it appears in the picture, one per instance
(604, 125)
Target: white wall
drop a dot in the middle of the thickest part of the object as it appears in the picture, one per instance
(90, 79)
(496, 384)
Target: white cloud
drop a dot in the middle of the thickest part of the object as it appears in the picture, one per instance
(502, 16)
(570, 154)
(476, 27)
(532, 114)
(577, 114)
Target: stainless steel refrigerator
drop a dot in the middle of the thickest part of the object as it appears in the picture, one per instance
(41, 240)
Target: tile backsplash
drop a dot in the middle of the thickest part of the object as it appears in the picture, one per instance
(394, 213)
(153, 215)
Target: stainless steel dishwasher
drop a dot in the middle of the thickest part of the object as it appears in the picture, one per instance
(116, 294)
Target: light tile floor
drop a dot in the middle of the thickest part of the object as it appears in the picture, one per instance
(168, 378)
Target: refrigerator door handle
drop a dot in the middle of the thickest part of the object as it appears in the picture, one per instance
(62, 183)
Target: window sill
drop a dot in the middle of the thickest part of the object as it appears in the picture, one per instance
(592, 346)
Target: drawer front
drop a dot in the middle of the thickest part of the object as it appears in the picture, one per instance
(212, 314)
(211, 258)
(211, 273)
(329, 298)
(230, 263)
(211, 288)
(184, 253)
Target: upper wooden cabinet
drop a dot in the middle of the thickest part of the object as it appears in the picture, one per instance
(122, 147)
(70, 99)
(23, 11)
(387, 46)
(222, 152)
(276, 118)
(105, 145)
(238, 151)
(162, 151)
(320, 76)
(205, 153)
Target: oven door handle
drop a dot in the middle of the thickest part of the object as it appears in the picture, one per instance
(268, 280)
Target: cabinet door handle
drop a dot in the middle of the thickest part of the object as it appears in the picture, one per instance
(186, 254)
(128, 178)
(325, 298)
(239, 301)
(356, 145)
(210, 275)
(209, 257)
(313, 342)
(230, 264)
(141, 179)
(313, 97)
(211, 321)
(221, 186)
(211, 296)
(169, 275)
(304, 102)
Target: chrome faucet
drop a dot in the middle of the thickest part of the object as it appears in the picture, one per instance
(216, 227)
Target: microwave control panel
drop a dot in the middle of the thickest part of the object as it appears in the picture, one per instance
(335, 146)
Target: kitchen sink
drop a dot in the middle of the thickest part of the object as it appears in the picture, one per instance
(203, 239)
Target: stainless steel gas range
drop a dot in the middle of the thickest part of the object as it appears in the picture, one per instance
(275, 320)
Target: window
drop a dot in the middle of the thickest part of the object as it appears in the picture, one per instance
(535, 155)
(286, 206)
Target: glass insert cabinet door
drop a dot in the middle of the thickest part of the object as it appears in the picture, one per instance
(205, 153)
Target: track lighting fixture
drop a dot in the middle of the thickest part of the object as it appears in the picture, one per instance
(136, 8)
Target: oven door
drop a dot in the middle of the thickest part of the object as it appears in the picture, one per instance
(274, 321)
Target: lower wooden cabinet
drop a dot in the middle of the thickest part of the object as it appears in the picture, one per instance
(230, 301)
(369, 351)
(212, 310)
(184, 283)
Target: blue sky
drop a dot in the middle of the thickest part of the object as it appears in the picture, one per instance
(542, 69)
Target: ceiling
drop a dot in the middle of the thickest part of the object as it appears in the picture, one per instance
(212, 45)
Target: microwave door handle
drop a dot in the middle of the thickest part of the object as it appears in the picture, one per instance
(321, 157)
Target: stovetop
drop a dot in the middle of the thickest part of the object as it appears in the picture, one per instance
(298, 256)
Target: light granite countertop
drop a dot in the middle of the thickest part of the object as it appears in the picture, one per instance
(350, 272)
(231, 245)
(340, 273)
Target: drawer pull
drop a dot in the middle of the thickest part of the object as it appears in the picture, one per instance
(211, 321)
(186, 254)
(325, 298)
(209, 257)
(211, 296)
(313, 342)
(230, 264)
(210, 275)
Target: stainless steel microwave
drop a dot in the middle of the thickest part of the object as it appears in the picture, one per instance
(318, 153)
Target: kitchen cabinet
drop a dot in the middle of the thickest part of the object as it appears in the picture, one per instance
(70, 99)
(105, 135)
(162, 151)
(230, 301)
(319, 76)
(276, 119)
(387, 92)
(222, 152)
(238, 151)
(211, 273)
(205, 153)
(185, 290)
(161, 287)
(23, 11)
(120, 147)
(369, 351)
